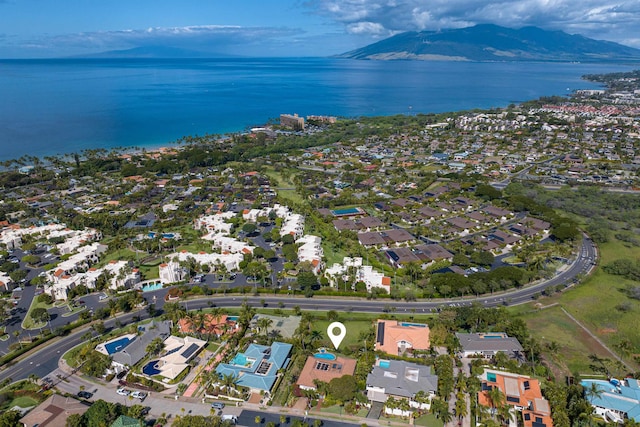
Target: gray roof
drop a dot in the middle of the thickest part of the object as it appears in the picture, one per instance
(489, 343)
(399, 378)
(137, 350)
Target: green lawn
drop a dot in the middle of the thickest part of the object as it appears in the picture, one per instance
(28, 322)
(24, 402)
(429, 420)
(354, 328)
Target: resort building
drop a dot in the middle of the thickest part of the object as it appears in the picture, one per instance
(397, 338)
(401, 380)
(488, 344)
(614, 400)
(324, 366)
(171, 272)
(293, 224)
(521, 392)
(257, 368)
(310, 250)
(352, 271)
(292, 121)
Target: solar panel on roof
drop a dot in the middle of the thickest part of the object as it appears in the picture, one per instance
(380, 338)
(189, 351)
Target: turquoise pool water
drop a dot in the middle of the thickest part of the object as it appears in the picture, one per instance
(346, 211)
(232, 318)
(325, 356)
(151, 287)
(384, 364)
(418, 325)
(240, 360)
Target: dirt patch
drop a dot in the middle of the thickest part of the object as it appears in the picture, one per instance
(607, 331)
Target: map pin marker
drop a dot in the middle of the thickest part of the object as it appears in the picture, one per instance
(336, 339)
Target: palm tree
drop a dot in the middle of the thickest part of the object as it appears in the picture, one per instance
(315, 336)
(155, 347)
(496, 399)
(263, 325)
(230, 381)
(174, 311)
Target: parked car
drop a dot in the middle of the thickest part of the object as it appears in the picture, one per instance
(123, 392)
(139, 395)
(231, 418)
(121, 374)
(217, 405)
(85, 395)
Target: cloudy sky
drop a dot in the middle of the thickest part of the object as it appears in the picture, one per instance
(50, 28)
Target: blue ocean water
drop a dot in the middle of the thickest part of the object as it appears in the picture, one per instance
(50, 107)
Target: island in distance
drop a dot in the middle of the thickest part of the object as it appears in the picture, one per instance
(487, 42)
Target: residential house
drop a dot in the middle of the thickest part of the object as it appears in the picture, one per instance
(401, 380)
(257, 367)
(136, 350)
(397, 338)
(615, 400)
(324, 366)
(54, 412)
(488, 344)
(521, 392)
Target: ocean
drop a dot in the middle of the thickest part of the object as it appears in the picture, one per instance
(51, 107)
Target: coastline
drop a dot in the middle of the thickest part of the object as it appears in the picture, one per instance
(229, 96)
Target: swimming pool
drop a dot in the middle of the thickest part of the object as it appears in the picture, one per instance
(117, 345)
(325, 356)
(150, 368)
(232, 318)
(417, 325)
(384, 364)
(239, 360)
(151, 287)
(347, 212)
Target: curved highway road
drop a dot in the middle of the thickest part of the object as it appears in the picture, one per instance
(44, 360)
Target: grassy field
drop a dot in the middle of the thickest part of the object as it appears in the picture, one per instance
(601, 305)
(572, 344)
(354, 329)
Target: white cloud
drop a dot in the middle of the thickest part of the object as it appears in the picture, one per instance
(600, 19)
(366, 28)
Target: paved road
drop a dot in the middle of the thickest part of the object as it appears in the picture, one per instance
(45, 360)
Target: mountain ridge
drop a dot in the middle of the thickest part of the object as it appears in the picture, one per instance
(489, 42)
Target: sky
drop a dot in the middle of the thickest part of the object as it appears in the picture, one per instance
(58, 28)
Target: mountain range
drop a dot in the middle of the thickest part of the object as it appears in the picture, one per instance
(488, 42)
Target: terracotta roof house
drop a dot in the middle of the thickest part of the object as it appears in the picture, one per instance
(397, 338)
(54, 412)
(521, 392)
(210, 325)
(324, 366)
